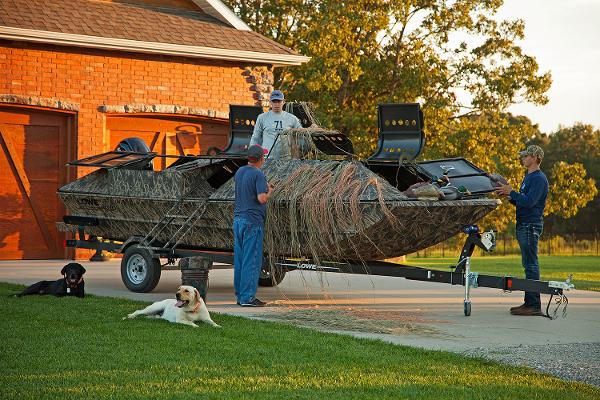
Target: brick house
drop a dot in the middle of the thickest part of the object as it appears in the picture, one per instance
(77, 76)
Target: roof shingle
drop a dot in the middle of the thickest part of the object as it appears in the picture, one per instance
(134, 22)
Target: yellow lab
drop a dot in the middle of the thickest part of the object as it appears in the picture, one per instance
(187, 309)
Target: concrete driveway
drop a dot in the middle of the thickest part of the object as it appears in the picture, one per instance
(397, 310)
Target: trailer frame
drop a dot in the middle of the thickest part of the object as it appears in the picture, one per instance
(458, 274)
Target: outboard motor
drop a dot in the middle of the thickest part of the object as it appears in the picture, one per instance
(135, 145)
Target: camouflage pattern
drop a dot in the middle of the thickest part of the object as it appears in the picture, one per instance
(532, 150)
(130, 203)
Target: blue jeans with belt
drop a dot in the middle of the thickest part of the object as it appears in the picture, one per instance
(528, 235)
(247, 258)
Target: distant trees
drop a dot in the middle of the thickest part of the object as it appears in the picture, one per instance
(366, 52)
(571, 163)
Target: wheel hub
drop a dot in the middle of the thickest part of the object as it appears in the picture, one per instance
(136, 269)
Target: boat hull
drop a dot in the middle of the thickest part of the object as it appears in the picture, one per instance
(405, 227)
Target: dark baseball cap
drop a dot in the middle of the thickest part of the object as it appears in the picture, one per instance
(256, 152)
(277, 95)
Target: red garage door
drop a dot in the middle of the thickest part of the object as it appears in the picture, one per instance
(33, 153)
(172, 135)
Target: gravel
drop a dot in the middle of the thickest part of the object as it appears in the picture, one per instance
(575, 361)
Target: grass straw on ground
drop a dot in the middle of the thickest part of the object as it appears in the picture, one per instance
(585, 269)
(73, 348)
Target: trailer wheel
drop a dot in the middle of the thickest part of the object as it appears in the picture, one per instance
(271, 275)
(467, 308)
(140, 272)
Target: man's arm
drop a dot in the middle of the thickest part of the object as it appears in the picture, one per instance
(264, 197)
(296, 124)
(505, 190)
(257, 133)
(537, 188)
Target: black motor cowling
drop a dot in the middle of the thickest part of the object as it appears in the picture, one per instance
(135, 145)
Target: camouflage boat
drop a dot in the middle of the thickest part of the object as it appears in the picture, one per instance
(128, 203)
(362, 213)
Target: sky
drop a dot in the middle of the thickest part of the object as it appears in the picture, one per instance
(564, 37)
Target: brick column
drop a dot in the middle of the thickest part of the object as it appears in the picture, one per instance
(262, 80)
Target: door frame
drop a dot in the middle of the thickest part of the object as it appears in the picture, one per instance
(65, 174)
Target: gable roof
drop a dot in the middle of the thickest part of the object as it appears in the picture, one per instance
(206, 33)
(217, 9)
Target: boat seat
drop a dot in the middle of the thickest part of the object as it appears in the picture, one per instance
(298, 110)
(241, 125)
(401, 135)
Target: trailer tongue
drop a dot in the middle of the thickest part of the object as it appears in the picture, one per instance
(460, 274)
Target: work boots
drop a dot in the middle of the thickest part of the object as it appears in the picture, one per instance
(518, 307)
(527, 311)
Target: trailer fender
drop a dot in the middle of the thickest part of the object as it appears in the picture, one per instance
(136, 240)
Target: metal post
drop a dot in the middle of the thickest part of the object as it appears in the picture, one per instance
(467, 302)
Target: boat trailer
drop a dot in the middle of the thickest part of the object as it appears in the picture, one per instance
(458, 274)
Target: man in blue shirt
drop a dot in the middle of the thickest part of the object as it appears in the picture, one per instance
(251, 195)
(530, 202)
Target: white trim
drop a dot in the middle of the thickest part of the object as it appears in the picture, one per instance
(220, 11)
(68, 39)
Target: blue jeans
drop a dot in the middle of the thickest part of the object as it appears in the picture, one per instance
(247, 258)
(528, 235)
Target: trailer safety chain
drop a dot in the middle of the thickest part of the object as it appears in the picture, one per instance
(561, 299)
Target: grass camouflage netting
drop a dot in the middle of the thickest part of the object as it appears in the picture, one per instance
(319, 202)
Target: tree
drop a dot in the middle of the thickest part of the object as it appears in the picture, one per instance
(366, 52)
(568, 146)
(570, 190)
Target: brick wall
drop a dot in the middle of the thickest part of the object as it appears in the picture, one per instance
(93, 78)
(87, 79)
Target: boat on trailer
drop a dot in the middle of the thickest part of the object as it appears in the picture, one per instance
(186, 209)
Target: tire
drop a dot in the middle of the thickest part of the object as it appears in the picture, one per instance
(271, 276)
(140, 272)
(467, 307)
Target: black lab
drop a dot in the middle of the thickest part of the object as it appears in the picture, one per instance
(71, 284)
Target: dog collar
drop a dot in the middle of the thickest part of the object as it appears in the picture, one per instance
(74, 286)
(195, 308)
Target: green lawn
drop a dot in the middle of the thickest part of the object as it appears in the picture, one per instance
(80, 348)
(585, 269)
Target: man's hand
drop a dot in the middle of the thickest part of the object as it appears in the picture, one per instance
(504, 189)
(264, 197)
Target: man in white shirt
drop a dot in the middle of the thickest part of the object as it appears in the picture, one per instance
(271, 123)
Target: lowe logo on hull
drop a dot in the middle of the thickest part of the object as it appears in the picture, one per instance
(312, 267)
(315, 267)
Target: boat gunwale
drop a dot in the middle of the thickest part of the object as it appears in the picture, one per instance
(401, 203)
